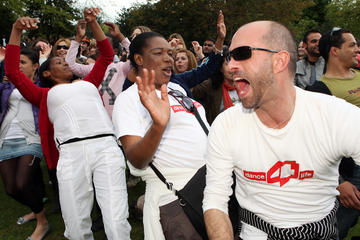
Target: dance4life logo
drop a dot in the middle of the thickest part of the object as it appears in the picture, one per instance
(281, 172)
(180, 108)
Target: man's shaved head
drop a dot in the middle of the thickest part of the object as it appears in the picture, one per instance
(277, 37)
(280, 38)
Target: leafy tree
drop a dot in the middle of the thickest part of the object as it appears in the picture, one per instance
(196, 19)
(56, 17)
(9, 10)
(313, 17)
(345, 14)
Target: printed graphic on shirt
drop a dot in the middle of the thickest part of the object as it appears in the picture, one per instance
(354, 91)
(180, 108)
(105, 86)
(281, 173)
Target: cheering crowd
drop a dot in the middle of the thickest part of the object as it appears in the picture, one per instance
(233, 142)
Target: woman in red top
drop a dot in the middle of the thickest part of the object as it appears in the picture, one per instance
(72, 113)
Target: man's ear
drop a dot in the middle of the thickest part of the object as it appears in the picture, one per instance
(138, 59)
(333, 51)
(281, 61)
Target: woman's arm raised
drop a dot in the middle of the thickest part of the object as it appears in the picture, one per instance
(27, 88)
(106, 53)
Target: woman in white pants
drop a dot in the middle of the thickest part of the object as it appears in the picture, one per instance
(72, 115)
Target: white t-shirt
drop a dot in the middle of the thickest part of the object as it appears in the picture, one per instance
(183, 143)
(15, 130)
(287, 176)
(77, 111)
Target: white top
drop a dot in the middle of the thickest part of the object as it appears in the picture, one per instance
(180, 153)
(287, 176)
(114, 77)
(14, 130)
(19, 120)
(77, 111)
(184, 141)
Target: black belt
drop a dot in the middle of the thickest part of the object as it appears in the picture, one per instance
(85, 138)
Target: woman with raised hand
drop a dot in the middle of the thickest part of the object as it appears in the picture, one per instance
(73, 115)
(115, 74)
(20, 149)
(154, 125)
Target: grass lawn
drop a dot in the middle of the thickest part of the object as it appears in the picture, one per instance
(10, 210)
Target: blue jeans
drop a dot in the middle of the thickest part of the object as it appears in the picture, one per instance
(348, 217)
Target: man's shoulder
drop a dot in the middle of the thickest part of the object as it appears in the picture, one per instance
(301, 66)
(321, 100)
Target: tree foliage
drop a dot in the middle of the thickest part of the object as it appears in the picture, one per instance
(56, 16)
(193, 19)
(9, 10)
(196, 19)
(345, 14)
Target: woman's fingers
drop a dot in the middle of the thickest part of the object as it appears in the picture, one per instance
(25, 23)
(152, 81)
(164, 93)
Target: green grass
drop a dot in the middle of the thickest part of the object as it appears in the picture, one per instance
(10, 210)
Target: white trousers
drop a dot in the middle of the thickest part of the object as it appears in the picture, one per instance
(81, 164)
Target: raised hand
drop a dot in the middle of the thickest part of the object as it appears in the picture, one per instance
(45, 50)
(80, 29)
(25, 23)
(114, 30)
(2, 53)
(173, 43)
(197, 49)
(90, 14)
(221, 28)
(159, 108)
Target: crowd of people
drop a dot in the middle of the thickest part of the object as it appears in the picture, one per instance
(93, 107)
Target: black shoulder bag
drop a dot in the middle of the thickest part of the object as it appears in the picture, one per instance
(191, 196)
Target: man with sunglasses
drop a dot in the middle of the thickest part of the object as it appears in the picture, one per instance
(283, 143)
(339, 48)
(311, 68)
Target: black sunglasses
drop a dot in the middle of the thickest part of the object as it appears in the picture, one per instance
(245, 52)
(62, 47)
(186, 102)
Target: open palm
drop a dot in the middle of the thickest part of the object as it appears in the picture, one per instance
(158, 108)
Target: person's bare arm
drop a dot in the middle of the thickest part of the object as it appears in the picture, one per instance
(218, 225)
(90, 15)
(80, 30)
(221, 31)
(140, 150)
(115, 31)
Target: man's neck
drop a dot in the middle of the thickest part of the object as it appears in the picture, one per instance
(278, 112)
(335, 70)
